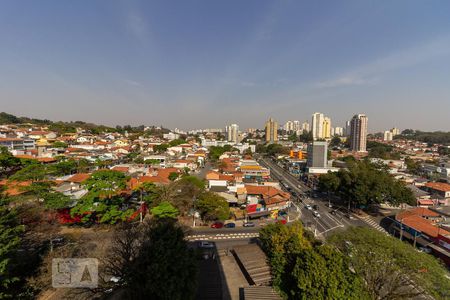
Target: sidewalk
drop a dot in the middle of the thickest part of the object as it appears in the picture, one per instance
(232, 277)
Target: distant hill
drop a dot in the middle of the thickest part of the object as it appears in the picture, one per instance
(68, 127)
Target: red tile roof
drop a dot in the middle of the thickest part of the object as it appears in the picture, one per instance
(79, 178)
(438, 186)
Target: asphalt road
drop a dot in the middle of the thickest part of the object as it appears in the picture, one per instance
(327, 222)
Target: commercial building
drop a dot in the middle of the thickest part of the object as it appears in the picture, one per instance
(358, 133)
(306, 127)
(317, 155)
(271, 131)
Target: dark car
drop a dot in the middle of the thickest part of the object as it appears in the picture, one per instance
(230, 225)
(316, 207)
(249, 224)
(217, 225)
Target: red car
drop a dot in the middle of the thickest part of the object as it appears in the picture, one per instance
(217, 225)
(282, 221)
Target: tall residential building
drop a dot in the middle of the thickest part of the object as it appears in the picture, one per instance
(289, 126)
(358, 136)
(388, 135)
(306, 127)
(317, 125)
(233, 133)
(317, 155)
(297, 126)
(271, 131)
(347, 129)
(395, 131)
(326, 128)
(339, 131)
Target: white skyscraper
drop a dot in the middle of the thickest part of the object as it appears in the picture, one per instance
(233, 133)
(306, 127)
(358, 136)
(339, 131)
(387, 136)
(297, 126)
(317, 125)
(289, 126)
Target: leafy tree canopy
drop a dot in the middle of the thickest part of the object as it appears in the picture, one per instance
(165, 210)
(211, 207)
(388, 265)
(106, 183)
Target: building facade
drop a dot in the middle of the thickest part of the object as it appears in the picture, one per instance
(358, 133)
(271, 131)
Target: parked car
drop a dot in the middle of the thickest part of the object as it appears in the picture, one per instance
(308, 207)
(425, 249)
(316, 214)
(249, 224)
(205, 244)
(217, 225)
(316, 207)
(282, 221)
(230, 225)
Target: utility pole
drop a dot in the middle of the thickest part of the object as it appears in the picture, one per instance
(401, 229)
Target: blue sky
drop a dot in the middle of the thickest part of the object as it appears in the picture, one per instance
(197, 64)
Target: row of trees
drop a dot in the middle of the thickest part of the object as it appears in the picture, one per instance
(359, 263)
(436, 137)
(302, 268)
(364, 183)
(383, 151)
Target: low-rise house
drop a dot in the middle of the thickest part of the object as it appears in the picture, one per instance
(439, 188)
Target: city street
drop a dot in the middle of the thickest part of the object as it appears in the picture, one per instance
(327, 222)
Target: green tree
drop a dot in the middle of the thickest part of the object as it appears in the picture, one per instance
(64, 167)
(33, 172)
(152, 261)
(152, 162)
(7, 160)
(59, 144)
(173, 176)
(306, 136)
(391, 268)
(165, 210)
(322, 273)
(56, 200)
(10, 233)
(211, 207)
(293, 137)
(364, 183)
(160, 148)
(335, 141)
(83, 165)
(106, 183)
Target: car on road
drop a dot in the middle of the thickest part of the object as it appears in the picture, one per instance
(205, 244)
(316, 214)
(316, 207)
(425, 249)
(308, 207)
(249, 224)
(230, 225)
(217, 225)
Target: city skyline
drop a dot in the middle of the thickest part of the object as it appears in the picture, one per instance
(206, 64)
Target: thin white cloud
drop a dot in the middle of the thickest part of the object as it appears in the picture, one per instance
(368, 74)
(345, 81)
(137, 26)
(132, 82)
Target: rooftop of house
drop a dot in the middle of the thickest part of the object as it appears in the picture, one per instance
(438, 186)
